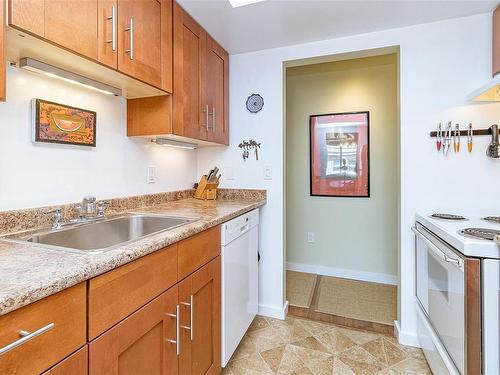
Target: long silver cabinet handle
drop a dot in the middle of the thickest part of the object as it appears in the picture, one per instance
(191, 313)
(112, 18)
(25, 337)
(130, 51)
(207, 113)
(213, 119)
(177, 342)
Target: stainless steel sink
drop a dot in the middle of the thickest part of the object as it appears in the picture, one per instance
(99, 236)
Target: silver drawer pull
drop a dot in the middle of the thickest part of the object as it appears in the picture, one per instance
(177, 342)
(112, 18)
(130, 29)
(191, 322)
(25, 337)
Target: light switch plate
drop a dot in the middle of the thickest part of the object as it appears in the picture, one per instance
(268, 172)
(151, 174)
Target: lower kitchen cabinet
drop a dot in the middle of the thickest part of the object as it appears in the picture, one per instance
(75, 364)
(139, 344)
(200, 295)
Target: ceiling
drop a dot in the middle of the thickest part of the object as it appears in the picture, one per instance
(277, 23)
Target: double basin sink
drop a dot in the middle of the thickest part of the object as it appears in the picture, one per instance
(101, 235)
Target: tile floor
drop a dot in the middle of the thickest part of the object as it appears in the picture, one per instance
(305, 347)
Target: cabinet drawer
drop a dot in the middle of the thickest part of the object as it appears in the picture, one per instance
(75, 364)
(198, 250)
(118, 293)
(64, 317)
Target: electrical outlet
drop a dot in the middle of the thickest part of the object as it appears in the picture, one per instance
(268, 172)
(311, 237)
(151, 174)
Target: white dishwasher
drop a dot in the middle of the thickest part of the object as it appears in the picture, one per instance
(240, 277)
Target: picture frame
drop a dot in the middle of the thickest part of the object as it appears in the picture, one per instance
(340, 154)
(63, 124)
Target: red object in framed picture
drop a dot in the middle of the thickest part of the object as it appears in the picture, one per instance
(340, 155)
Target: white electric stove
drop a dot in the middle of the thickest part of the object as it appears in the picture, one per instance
(457, 291)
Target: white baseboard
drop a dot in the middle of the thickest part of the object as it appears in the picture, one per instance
(274, 311)
(344, 273)
(405, 338)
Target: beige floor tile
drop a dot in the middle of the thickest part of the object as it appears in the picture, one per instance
(324, 367)
(311, 343)
(335, 341)
(303, 371)
(273, 357)
(315, 328)
(249, 365)
(360, 361)
(411, 366)
(290, 361)
(358, 336)
(258, 323)
(266, 338)
(245, 348)
(340, 368)
(386, 352)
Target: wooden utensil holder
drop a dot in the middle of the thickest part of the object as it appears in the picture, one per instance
(206, 190)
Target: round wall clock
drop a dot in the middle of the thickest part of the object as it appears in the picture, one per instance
(255, 102)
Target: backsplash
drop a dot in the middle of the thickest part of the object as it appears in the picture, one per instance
(26, 219)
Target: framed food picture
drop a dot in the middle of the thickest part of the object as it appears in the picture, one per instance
(340, 155)
(59, 123)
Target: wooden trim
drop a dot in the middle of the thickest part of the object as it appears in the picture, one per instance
(496, 42)
(167, 45)
(473, 315)
(3, 44)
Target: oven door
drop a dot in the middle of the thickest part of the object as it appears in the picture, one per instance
(440, 290)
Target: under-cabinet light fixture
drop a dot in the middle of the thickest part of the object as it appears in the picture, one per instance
(174, 143)
(48, 70)
(240, 3)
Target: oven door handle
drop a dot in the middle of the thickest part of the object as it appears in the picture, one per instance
(437, 251)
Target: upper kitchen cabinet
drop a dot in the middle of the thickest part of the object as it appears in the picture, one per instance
(496, 41)
(2, 52)
(198, 109)
(28, 15)
(72, 25)
(139, 40)
(88, 37)
(190, 109)
(217, 86)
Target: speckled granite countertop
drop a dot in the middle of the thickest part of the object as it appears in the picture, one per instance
(31, 272)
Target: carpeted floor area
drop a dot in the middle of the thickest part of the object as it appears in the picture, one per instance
(300, 288)
(362, 300)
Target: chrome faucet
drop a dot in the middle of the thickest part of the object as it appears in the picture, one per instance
(90, 208)
(58, 217)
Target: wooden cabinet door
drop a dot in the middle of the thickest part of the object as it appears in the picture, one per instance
(200, 347)
(139, 40)
(139, 344)
(75, 364)
(27, 15)
(73, 25)
(496, 42)
(107, 32)
(189, 106)
(217, 91)
(2, 52)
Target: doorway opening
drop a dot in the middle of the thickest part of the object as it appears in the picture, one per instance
(342, 185)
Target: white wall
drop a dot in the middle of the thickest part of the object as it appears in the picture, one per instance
(33, 175)
(440, 63)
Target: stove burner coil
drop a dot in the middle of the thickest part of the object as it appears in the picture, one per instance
(480, 233)
(492, 219)
(448, 217)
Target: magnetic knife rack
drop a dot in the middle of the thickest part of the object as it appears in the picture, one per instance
(464, 133)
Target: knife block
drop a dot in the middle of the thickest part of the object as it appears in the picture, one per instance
(206, 190)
